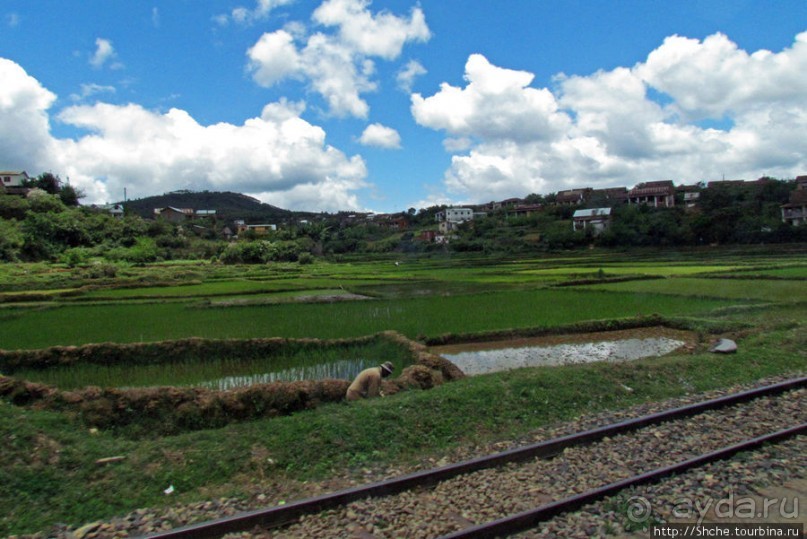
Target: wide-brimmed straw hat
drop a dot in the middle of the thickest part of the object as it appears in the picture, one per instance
(388, 367)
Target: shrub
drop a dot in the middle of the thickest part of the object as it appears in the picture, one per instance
(11, 240)
(75, 257)
(144, 250)
(42, 202)
(248, 252)
(13, 207)
(100, 271)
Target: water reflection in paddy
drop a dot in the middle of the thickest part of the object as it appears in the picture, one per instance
(502, 359)
(339, 370)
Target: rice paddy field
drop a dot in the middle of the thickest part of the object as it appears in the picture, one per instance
(226, 372)
(417, 297)
(780, 291)
(425, 316)
(755, 295)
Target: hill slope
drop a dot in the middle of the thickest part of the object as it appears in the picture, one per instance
(228, 205)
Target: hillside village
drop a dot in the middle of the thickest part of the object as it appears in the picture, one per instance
(657, 213)
(592, 208)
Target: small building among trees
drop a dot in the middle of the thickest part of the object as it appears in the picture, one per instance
(13, 178)
(595, 219)
(450, 218)
(259, 230)
(172, 214)
(656, 194)
(795, 211)
(573, 197)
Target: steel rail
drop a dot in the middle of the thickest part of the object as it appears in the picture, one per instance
(532, 517)
(279, 515)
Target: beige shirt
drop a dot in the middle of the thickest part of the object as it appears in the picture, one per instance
(367, 384)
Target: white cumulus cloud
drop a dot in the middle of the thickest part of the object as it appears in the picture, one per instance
(496, 103)
(25, 138)
(104, 52)
(382, 34)
(714, 77)
(91, 89)
(274, 57)
(380, 136)
(278, 156)
(406, 76)
(608, 128)
(249, 16)
(338, 65)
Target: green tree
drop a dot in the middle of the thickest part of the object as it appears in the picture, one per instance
(48, 234)
(11, 240)
(318, 232)
(69, 195)
(48, 182)
(38, 232)
(561, 236)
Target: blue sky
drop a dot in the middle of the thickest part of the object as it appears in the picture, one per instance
(334, 105)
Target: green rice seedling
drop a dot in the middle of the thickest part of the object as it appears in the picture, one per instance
(795, 272)
(430, 316)
(736, 289)
(227, 371)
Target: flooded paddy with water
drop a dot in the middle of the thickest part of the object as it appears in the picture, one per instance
(614, 346)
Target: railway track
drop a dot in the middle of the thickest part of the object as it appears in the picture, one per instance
(466, 499)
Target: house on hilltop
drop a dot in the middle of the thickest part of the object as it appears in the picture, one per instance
(523, 210)
(450, 218)
(610, 196)
(115, 210)
(178, 215)
(394, 221)
(501, 204)
(656, 194)
(259, 230)
(12, 181)
(573, 197)
(795, 211)
(13, 178)
(427, 236)
(172, 214)
(691, 194)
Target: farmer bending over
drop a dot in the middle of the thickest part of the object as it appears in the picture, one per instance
(368, 383)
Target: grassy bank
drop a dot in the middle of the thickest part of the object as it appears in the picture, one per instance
(49, 473)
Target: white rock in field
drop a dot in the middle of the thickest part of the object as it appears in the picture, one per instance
(724, 346)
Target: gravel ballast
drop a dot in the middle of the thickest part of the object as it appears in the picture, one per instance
(493, 493)
(490, 494)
